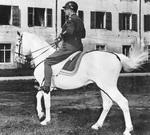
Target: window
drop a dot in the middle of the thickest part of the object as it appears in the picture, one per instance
(100, 47)
(126, 49)
(101, 20)
(146, 23)
(39, 17)
(128, 0)
(148, 52)
(5, 53)
(10, 15)
(81, 15)
(147, 0)
(127, 21)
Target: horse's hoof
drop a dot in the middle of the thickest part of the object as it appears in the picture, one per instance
(45, 122)
(42, 118)
(127, 131)
(41, 115)
(96, 126)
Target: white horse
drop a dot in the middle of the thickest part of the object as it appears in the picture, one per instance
(102, 68)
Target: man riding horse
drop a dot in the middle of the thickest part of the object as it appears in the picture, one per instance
(72, 32)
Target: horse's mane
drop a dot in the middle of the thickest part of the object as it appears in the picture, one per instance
(35, 38)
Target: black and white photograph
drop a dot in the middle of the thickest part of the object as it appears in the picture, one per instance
(74, 67)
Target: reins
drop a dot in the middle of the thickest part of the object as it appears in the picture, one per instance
(22, 56)
(53, 45)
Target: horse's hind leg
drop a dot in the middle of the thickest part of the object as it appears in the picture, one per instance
(117, 97)
(123, 104)
(107, 104)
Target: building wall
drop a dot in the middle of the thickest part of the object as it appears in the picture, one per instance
(113, 40)
(8, 33)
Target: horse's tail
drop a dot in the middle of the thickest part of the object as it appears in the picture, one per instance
(136, 58)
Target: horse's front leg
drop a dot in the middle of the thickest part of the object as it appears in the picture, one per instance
(39, 105)
(47, 101)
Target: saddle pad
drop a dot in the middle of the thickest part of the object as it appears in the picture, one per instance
(72, 65)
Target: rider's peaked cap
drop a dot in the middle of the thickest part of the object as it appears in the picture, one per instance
(71, 5)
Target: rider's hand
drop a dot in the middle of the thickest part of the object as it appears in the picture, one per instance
(58, 39)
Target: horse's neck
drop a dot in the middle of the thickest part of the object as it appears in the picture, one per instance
(40, 50)
(41, 54)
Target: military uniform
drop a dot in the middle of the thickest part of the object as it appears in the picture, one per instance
(72, 32)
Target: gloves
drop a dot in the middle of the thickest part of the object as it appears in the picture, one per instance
(58, 39)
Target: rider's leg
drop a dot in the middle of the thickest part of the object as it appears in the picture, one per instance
(53, 59)
(48, 75)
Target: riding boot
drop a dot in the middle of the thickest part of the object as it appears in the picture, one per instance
(48, 76)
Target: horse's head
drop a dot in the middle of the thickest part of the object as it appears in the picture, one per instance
(23, 44)
(29, 44)
(21, 51)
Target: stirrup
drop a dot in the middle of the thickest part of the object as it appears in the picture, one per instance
(46, 89)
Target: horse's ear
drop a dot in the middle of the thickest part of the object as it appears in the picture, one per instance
(18, 33)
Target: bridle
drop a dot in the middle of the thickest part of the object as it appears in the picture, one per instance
(19, 45)
(21, 56)
(24, 57)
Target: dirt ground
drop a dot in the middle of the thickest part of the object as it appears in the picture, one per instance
(73, 112)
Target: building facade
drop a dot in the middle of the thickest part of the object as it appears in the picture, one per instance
(110, 25)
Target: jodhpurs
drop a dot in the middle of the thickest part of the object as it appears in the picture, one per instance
(53, 59)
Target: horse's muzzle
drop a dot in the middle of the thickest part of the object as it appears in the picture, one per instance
(19, 60)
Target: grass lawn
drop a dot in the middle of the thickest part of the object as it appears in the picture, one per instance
(72, 112)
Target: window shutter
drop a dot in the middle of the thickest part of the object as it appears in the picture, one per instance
(80, 14)
(49, 17)
(108, 21)
(30, 17)
(62, 17)
(15, 16)
(146, 23)
(134, 22)
(93, 20)
(120, 21)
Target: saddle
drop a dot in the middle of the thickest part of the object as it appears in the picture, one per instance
(71, 66)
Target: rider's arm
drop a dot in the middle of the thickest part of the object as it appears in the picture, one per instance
(68, 29)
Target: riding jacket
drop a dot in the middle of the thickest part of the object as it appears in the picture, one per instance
(72, 32)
